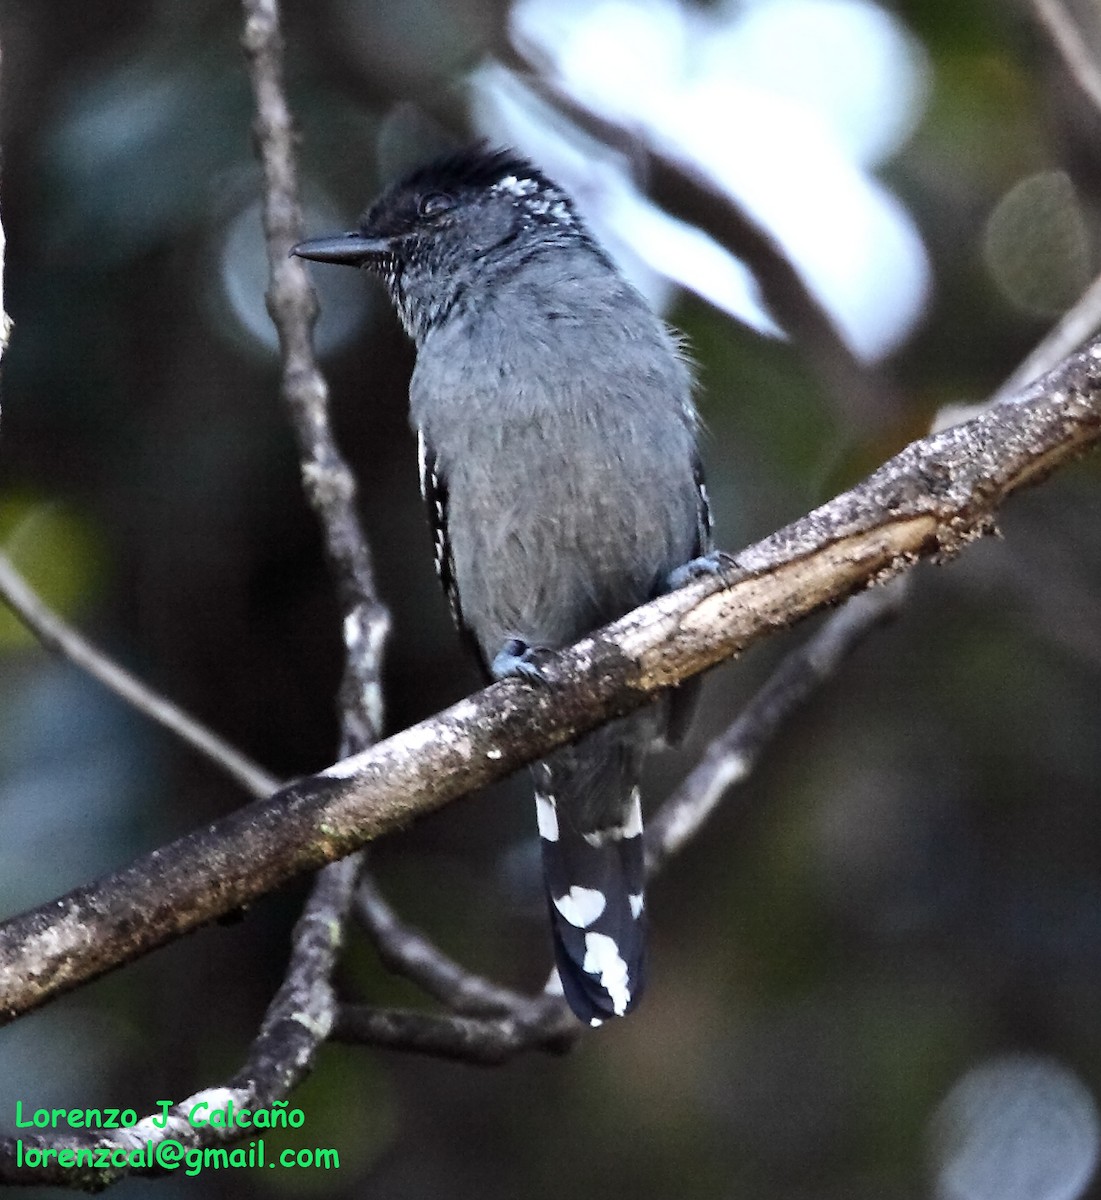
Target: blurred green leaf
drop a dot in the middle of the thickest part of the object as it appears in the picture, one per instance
(58, 553)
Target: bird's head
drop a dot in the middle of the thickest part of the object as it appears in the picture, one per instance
(433, 233)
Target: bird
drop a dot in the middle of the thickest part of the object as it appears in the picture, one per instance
(559, 461)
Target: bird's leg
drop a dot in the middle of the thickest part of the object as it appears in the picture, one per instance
(518, 660)
(718, 562)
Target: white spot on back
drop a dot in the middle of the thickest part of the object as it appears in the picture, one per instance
(547, 815)
(581, 906)
(602, 959)
(637, 904)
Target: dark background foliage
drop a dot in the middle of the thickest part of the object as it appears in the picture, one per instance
(908, 887)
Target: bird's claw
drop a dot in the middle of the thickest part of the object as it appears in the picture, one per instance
(707, 566)
(518, 660)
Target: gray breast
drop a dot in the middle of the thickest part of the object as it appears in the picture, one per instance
(568, 456)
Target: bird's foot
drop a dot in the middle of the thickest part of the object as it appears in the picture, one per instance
(718, 562)
(518, 660)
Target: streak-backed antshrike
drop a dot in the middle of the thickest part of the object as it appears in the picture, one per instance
(558, 460)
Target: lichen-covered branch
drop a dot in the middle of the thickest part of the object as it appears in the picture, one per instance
(927, 502)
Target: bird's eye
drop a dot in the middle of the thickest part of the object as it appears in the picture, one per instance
(435, 203)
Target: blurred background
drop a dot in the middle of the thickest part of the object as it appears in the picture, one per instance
(878, 972)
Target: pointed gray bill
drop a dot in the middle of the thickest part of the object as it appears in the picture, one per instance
(352, 249)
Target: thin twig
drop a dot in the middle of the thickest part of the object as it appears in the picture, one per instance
(731, 757)
(486, 1024)
(6, 324)
(407, 952)
(1072, 329)
(327, 478)
(56, 635)
(291, 1036)
(484, 1041)
(1076, 54)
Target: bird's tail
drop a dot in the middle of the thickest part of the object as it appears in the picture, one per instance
(590, 826)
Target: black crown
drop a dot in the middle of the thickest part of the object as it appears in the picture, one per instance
(478, 166)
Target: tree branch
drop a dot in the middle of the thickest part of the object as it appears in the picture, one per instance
(929, 501)
(301, 1014)
(1065, 336)
(731, 757)
(299, 1018)
(542, 1022)
(1081, 64)
(486, 1041)
(328, 481)
(861, 392)
(406, 951)
(61, 638)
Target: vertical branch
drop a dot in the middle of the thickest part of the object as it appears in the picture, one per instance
(328, 482)
(5, 320)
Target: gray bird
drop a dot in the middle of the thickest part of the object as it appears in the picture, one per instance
(559, 465)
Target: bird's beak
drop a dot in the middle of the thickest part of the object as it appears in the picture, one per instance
(353, 249)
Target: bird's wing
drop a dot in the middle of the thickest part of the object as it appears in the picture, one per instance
(704, 523)
(434, 491)
(684, 700)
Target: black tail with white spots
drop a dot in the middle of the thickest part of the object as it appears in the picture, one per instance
(594, 874)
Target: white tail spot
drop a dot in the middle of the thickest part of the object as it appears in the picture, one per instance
(581, 906)
(632, 827)
(546, 813)
(603, 960)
